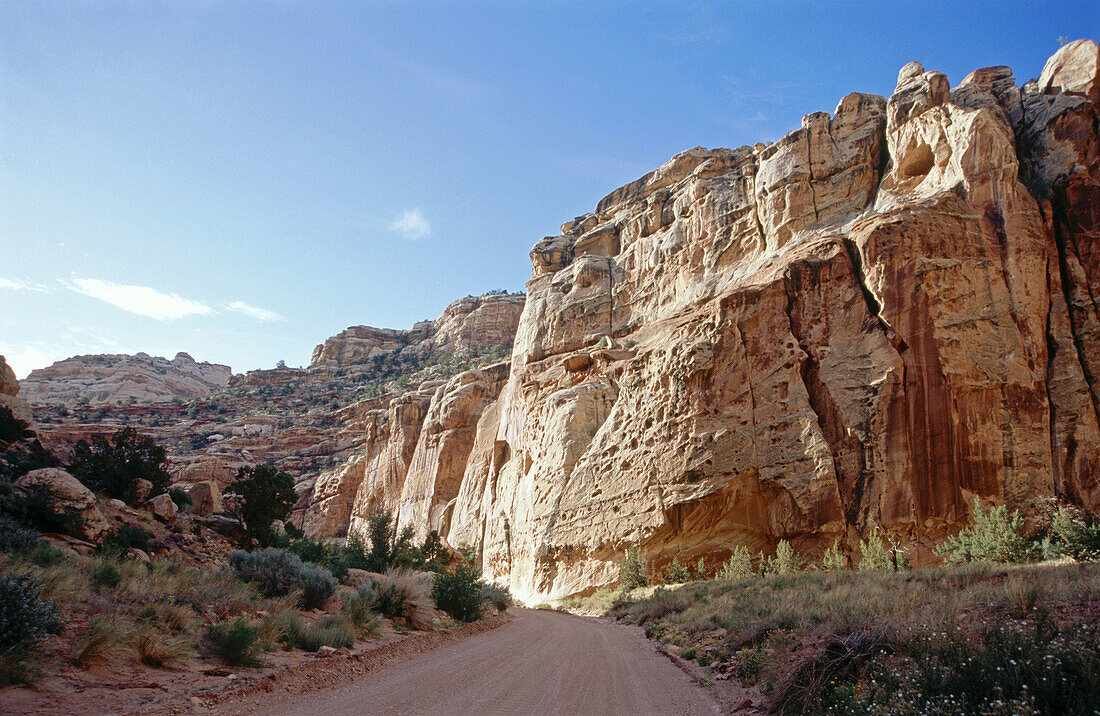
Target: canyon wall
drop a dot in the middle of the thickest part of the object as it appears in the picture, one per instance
(864, 325)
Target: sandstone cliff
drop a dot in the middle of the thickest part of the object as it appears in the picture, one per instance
(864, 325)
(474, 321)
(102, 379)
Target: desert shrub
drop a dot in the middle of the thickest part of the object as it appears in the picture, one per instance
(785, 561)
(25, 619)
(873, 553)
(105, 574)
(700, 573)
(335, 630)
(738, 566)
(126, 537)
(1073, 535)
(996, 536)
(114, 466)
(676, 572)
(181, 497)
(499, 597)
(237, 643)
(458, 593)
(265, 495)
(14, 535)
(630, 571)
(105, 639)
(308, 549)
(358, 607)
(277, 572)
(833, 560)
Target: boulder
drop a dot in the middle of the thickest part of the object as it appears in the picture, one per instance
(69, 494)
(206, 498)
(162, 507)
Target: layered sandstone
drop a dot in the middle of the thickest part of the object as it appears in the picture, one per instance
(863, 325)
(471, 322)
(109, 379)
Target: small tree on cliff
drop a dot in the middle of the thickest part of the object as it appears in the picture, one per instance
(266, 495)
(630, 571)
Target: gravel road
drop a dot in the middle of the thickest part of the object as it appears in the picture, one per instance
(541, 662)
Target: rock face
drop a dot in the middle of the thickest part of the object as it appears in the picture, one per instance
(9, 395)
(863, 325)
(474, 321)
(123, 378)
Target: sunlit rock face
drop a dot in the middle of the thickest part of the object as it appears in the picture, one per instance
(864, 325)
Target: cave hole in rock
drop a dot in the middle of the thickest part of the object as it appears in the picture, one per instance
(916, 162)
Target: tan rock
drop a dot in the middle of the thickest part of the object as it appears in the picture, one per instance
(9, 385)
(162, 508)
(206, 498)
(68, 493)
(142, 488)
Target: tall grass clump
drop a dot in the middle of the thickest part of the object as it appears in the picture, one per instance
(237, 643)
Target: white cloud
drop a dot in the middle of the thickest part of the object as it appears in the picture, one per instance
(14, 284)
(412, 224)
(142, 300)
(260, 314)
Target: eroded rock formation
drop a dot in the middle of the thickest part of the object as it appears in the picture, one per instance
(864, 325)
(103, 379)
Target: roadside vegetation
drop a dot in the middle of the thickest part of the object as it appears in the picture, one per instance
(1010, 624)
(132, 600)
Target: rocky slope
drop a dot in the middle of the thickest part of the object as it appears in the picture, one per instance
(100, 379)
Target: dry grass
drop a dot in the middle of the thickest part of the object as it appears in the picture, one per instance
(820, 641)
(104, 641)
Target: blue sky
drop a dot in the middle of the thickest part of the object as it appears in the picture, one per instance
(240, 180)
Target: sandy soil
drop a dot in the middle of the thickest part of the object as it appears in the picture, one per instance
(541, 662)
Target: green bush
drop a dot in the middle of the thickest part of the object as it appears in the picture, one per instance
(1073, 535)
(785, 560)
(25, 619)
(277, 572)
(236, 643)
(359, 609)
(265, 495)
(996, 536)
(630, 571)
(676, 573)
(833, 560)
(873, 554)
(700, 573)
(114, 466)
(458, 593)
(738, 566)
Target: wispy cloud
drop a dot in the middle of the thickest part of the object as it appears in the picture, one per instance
(14, 284)
(412, 224)
(260, 314)
(142, 300)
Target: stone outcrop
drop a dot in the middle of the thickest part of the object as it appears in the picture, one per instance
(101, 379)
(69, 494)
(868, 323)
(10, 398)
(471, 322)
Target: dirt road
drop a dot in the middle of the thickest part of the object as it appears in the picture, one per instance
(542, 662)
